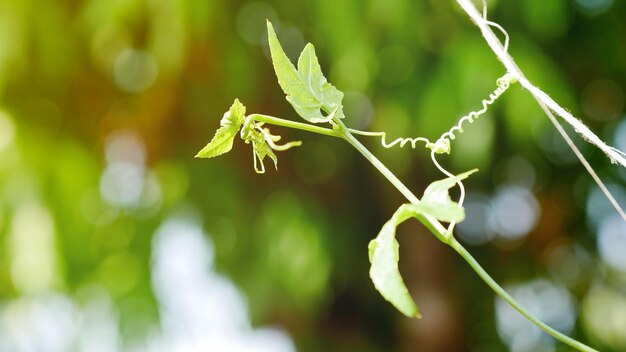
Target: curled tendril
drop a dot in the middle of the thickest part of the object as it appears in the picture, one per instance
(402, 141)
(442, 145)
(503, 83)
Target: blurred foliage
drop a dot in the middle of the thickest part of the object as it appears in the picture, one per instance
(103, 105)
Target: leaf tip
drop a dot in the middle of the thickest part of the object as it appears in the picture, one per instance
(201, 153)
(205, 152)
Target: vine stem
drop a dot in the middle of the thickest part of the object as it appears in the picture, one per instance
(295, 125)
(440, 232)
(546, 103)
(510, 300)
(431, 223)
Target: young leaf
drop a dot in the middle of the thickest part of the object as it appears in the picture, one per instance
(311, 73)
(261, 149)
(222, 141)
(306, 88)
(437, 203)
(384, 256)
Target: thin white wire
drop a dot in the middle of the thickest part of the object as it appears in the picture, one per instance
(496, 25)
(503, 84)
(546, 103)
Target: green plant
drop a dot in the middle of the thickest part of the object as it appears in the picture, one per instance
(319, 102)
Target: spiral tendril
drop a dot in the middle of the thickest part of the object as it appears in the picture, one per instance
(442, 145)
(402, 141)
(503, 83)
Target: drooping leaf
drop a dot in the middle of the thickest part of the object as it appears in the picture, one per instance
(384, 249)
(384, 256)
(437, 202)
(306, 88)
(222, 141)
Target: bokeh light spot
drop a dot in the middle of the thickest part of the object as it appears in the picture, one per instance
(125, 146)
(604, 316)
(474, 229)
(32, 244)
(594, 7)
(612, 242)
(569, 264)
(123, 181)
(121, 184)
(350, 73)
(514, 213)
(518, 171)
(135, 70)
(620, 135)
(551, 303)
(201, 310)
(598, 206)
(251, 23)
(603, 100)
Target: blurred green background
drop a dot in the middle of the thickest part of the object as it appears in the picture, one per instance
(113, 238)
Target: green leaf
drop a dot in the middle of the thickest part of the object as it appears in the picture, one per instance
(383, 251)
(222, 141)
(306, 88)
(384, 256)
(437, 202)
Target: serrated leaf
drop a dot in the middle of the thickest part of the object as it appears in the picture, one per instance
(384, 256)
(306, 88)
(437, 202)
(222, 141)
(310, 72)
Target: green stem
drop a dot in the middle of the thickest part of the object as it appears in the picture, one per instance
(297, 125)
(502, 293)
(440, 232)
(431, 223)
